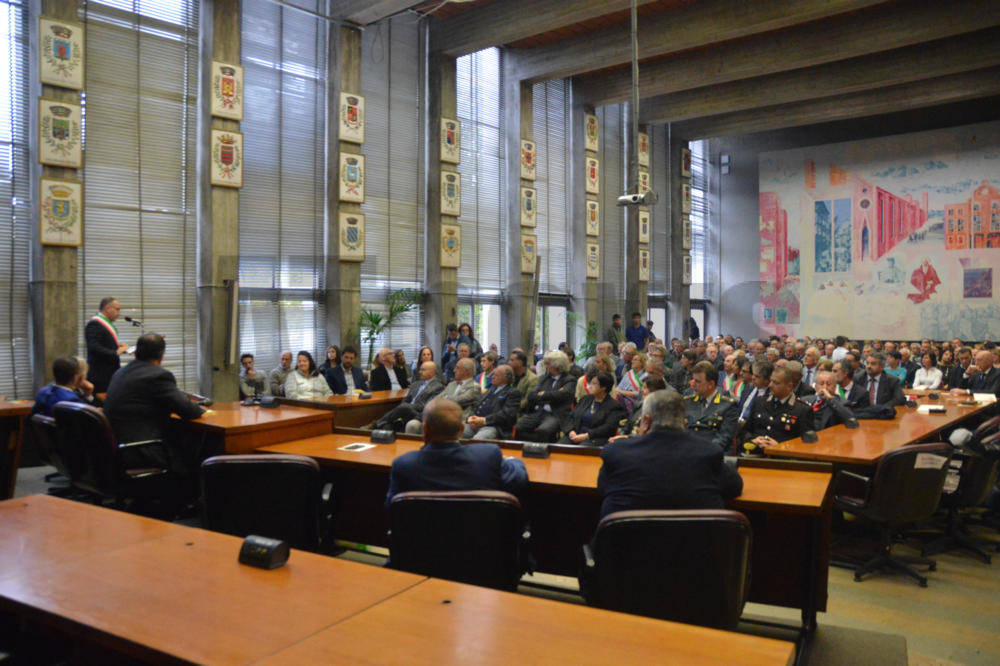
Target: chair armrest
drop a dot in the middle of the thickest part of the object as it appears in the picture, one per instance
(852, 478)
(588, 558)
(145, 442)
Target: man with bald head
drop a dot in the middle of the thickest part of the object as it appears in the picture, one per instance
(980, 377)
(422, 391)
(445, 464)
(463, 390)
(386, 376)
(497, 411)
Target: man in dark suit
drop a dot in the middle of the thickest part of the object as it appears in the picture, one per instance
(850, 393)
(828, 409)
(981, 377)
(496, 413)
(346, 377)
(596, 418)
(877, 387)
(445, 464)
(387, 377)
(665, 467)
(421, 392)
(910, 365)
(103, 347)
(760, 378)
(140, 400)
(464, 351)
(957, 374)
(548, 402)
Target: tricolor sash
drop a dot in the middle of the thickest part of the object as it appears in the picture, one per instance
(108, 325)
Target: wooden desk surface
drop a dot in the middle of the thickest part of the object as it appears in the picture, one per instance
(349, 400)
(15, 407)
(441, 622)
(783, 490)
(867, 444)
(179, 591)
(233, 417)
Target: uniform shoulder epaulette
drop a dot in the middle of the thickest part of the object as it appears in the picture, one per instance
(800, 401)
(726, 398)
(689, 396)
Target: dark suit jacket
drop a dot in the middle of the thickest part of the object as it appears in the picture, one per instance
(434, 386)
(338, 381)
(804, 389)
(955, 376)
(911, 371)
(890, 392)
(452, 466)
(558, 394)
(829, 413)
(991, 382)
(102, 355)
(603, 423)
(499, 407)
(666, 469)
(140, 400)
(858, 395)
(380, 379)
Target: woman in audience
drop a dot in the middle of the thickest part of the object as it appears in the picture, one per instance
(485, 378)
(928, 376)
(602, 363)
(305, 382)
(332, 359)
(401, 364)
(893, 366)
(947, 362)
(631, 383)
(474, 346)
(426, 354)
(597, 417)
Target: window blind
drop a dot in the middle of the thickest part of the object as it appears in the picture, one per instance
(613, 125)
(15, 205)
(393, 206)
(282, 202)
(550, 100)
(699, 216)
(140, 114)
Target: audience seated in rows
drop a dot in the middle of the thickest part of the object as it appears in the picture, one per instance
(70, 384)
(386, 376)
(345, 377)
(425, 388)
(252, 383)
(305, 383)
(496, 414)
(596, 416)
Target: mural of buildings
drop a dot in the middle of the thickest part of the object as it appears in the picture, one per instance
(773, 240)
(975, 222)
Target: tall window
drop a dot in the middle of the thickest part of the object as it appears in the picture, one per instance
(551, 131)
(140, 115)
(282, 202)
(15, 203)
(699, 216)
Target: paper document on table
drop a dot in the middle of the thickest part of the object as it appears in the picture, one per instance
(929, 461)
(984, 397)
(931, 409)
(357, 446)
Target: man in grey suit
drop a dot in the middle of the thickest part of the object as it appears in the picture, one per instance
(420, 393)
(464, 390)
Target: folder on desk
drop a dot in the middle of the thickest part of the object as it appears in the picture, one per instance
(984, 397)
(931, 409)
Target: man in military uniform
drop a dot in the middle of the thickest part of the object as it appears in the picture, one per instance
(828, 408)
(778, 417)
(709, 411)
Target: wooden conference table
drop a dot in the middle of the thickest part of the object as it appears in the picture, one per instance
(789, 510)
(234, 428)
(12, 415)
(350, 411)
(155, 591)
(865, 446)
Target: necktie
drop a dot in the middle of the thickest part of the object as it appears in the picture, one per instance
(871, 391)
(981, 380)
(809, 377)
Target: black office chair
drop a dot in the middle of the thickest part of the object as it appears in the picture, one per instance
(905, 490)
(475, 536)
(95, 462)
(685, 566)
(44, 434)
(280, 496)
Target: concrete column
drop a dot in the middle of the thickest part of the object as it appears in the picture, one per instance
(679, 304)
(54, 290)
(343, 278)
(218, 218)
(441, 284)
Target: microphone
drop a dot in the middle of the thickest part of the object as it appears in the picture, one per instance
(134, 322)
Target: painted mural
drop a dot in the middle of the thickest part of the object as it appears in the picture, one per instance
(895, 237)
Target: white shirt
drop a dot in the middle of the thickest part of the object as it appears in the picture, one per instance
(393, 380)
(349, 378)
(928, 379)
(838, 354)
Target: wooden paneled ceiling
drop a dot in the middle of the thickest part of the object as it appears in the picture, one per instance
(722, 67)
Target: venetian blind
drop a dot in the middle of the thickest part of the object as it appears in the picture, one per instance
(15, 205)
(393, 207)
(699, 216)
(282, 202)
(140, 115)
(613, 121)
(551, 124)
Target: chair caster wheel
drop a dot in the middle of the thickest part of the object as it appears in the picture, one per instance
(923, 582)
(857, 578)
(932, 567)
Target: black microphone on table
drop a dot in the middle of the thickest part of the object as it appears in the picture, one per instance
(134, 322)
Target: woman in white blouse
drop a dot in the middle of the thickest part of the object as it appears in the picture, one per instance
(304, 382)
(928, 376)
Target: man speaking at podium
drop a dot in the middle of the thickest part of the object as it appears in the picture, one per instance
(103, 346)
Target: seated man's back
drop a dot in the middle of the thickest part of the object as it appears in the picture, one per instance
(666, 468)
(445, 464)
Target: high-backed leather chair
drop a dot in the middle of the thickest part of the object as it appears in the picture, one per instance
(905, 490)
(280, 496)
(686, 566)
(95, 462)
(976, 479)
(44, 433)
(474, 536)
